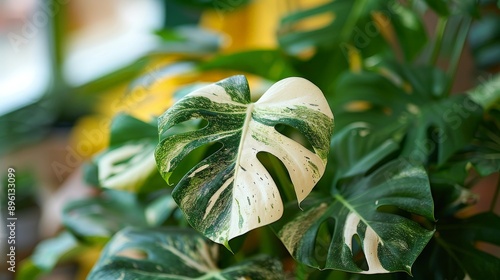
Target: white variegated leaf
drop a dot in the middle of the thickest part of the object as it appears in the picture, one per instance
(377, 209)
(231, 192)
(174, 254)
(129, 163)
(128, 166)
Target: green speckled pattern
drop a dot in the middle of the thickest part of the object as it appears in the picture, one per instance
(230, 192)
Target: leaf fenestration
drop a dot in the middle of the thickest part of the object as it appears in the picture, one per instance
(376, 210)
(230, 192)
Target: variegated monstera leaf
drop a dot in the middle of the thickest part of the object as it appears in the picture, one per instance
(368, 226)
(231, 192)
(174, 254)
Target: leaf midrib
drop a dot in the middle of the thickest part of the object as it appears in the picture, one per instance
(346, 204)
(244, 131)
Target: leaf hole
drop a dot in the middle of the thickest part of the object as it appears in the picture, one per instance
(391, 209)
(279, 175)
(323, 241)
(133, 253)
(358, 256)
(295, 135)
(192, 159)
(394, 210)
(422, 221)
(185, 127)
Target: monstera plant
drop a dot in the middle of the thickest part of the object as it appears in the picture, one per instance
(231, 192)
(234, 181)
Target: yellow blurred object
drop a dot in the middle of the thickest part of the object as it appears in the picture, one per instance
(354, 58)
(357, 106)
(90, 134)
(256, 24)
(384, 25)
(252, 26)
(87, 260)
(143, 102)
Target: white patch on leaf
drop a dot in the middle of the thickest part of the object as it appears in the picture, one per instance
(216, 196)
(297, 91)
(370, 243)
(201, 168)
(116, 174)
(350, 229)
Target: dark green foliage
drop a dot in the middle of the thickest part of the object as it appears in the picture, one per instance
(403, 159)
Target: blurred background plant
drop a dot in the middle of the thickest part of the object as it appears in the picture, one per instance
(79, 79)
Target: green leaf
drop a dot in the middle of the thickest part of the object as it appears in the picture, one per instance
(125, 128)
(414, 98)
(439, 6)
(27, 125)
(487, 94)
(484, 41)
(88, 94)
(272, 64)
(486, 157)
(129, 167)
(169, 35)
(410, 31)
(128, 163)
(161, 73)
(471, 8)
(160, 209)
(230, 192)
(357, 148)
(219, 5)
(451, 122)
(377, 209)
(48, 253)
(456, 255)
(344, 16)
(450, 196)
(324, 68)
(484, 151)
(352, 22)
(172, 253)
(90, 174)
(97, 219)
(191, 41)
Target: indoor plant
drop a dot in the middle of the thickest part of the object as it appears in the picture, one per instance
(402, 160)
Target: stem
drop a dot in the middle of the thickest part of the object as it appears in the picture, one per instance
(457, 51)
(440, 28)
(495, 196)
